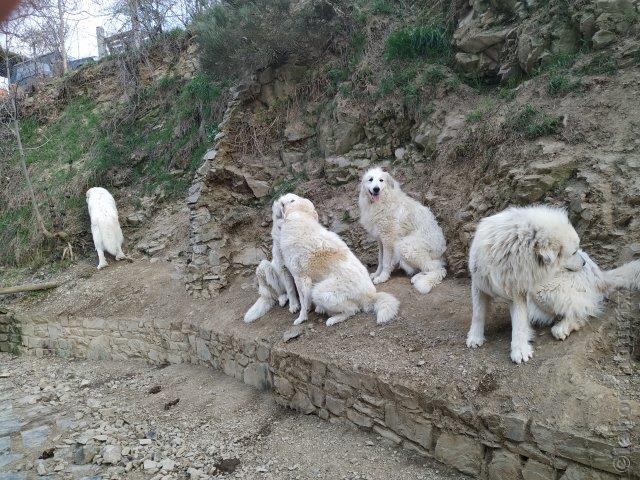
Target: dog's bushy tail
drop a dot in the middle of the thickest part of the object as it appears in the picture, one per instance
(386, 307)
(626, 276)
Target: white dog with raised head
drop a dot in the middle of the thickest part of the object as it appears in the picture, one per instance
(325, 271)
(574, 297)
(105, 227)
(407, 232)
(275, 283)
(512, 253)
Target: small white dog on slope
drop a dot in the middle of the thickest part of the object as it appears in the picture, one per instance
(407, 232)
(105, 228)
(325, 271)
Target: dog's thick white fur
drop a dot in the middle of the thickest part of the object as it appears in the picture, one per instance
(512, 253)
(407, 232)
(105, 228)
(576, 296)
(325, 271)
(275, 283)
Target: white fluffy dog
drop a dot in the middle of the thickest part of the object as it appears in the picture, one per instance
(275, 283)
(105, 228)
(407, 232)
(325, 271)
(576, 296)
(512, 253)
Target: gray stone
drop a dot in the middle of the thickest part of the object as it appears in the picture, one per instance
(575, 472)
(409, 426)
(283, 386)
(400, 153)
(316, 395)
(534, 470)
(98, 348)
(210, 154)
(249, 256)
(84, 454)
(359, 419)
(602, 39)
(259, 188)
(297, 130)
(302, 403)
(35, 437)
(111, 454)
(335, 405)
(387, 434)
(468, 62)
(460, 452)
(258, 375)
(504, 465)
(292, 333)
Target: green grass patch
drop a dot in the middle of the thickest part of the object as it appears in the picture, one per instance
(531, 122)
(382, 7)
(601, 63)
(561, 84)
(429, 42)
(432, 75)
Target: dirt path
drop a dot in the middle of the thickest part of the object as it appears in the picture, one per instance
(99, 420)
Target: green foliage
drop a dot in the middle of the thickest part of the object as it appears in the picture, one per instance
(287, 185)
(432, 75)
(399, 79)
(561, 84)
(382, 7)
(601, 63)
(425, 41)
(243, 36)
(532, 122)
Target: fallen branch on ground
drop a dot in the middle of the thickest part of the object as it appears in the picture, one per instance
(29, 287)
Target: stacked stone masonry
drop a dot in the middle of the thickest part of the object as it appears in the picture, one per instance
(482, 444)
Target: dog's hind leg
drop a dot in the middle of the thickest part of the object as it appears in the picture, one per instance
(304, 291)
(268, 291)
(521, 332)
(481, 303)
(290, 288)
(327, 298)
(97, 242)
(379, 267)
(414, 252)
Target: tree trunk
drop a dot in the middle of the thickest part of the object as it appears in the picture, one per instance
(61, 37)
(29, 287)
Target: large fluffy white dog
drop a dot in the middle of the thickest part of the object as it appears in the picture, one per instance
(407, 232)
(512, 253)
(105, 228)
(577, 296)
(275, 283)
(325, 271)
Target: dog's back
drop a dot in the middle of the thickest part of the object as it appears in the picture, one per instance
(104, 219)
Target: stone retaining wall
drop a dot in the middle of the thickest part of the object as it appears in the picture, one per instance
(482, 444)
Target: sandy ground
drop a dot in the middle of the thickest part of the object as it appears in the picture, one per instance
(94, 420)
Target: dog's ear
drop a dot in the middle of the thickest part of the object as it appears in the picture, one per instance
(277, 211)
(547, 251)
(309, 207)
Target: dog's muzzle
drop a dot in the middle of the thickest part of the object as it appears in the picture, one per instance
(374, 194)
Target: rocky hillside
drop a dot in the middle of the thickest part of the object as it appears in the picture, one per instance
(473, 106)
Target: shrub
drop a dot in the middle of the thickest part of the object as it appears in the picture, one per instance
(240, 37)
(431, 42)
(601, 64)
(560, 84)
(532, 122)
(382, 7)
(432, 75)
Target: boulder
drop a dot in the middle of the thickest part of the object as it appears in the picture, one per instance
(602, 39)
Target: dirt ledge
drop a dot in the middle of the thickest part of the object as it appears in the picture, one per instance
(413, 381)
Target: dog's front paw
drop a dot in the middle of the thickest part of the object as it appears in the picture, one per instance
(319, 310)
(282, 300)
(521, 352)
(294, 307)
(300, 320)
(474, 341)
(102, 265)
(373, 275)
(562, 330)
(383, 277)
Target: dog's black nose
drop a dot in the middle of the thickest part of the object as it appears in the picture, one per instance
(376, 189)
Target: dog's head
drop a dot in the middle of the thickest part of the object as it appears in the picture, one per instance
(375, 183)
(556, 243)
(291, 202)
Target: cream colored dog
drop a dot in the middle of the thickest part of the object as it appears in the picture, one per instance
(275, 283)
(325, 271)
(576, 296)
(407, 232)
(105, 227)
(512, 253)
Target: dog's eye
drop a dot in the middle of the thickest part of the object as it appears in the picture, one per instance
(381, 180)
(292, 201)
(371, 179)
